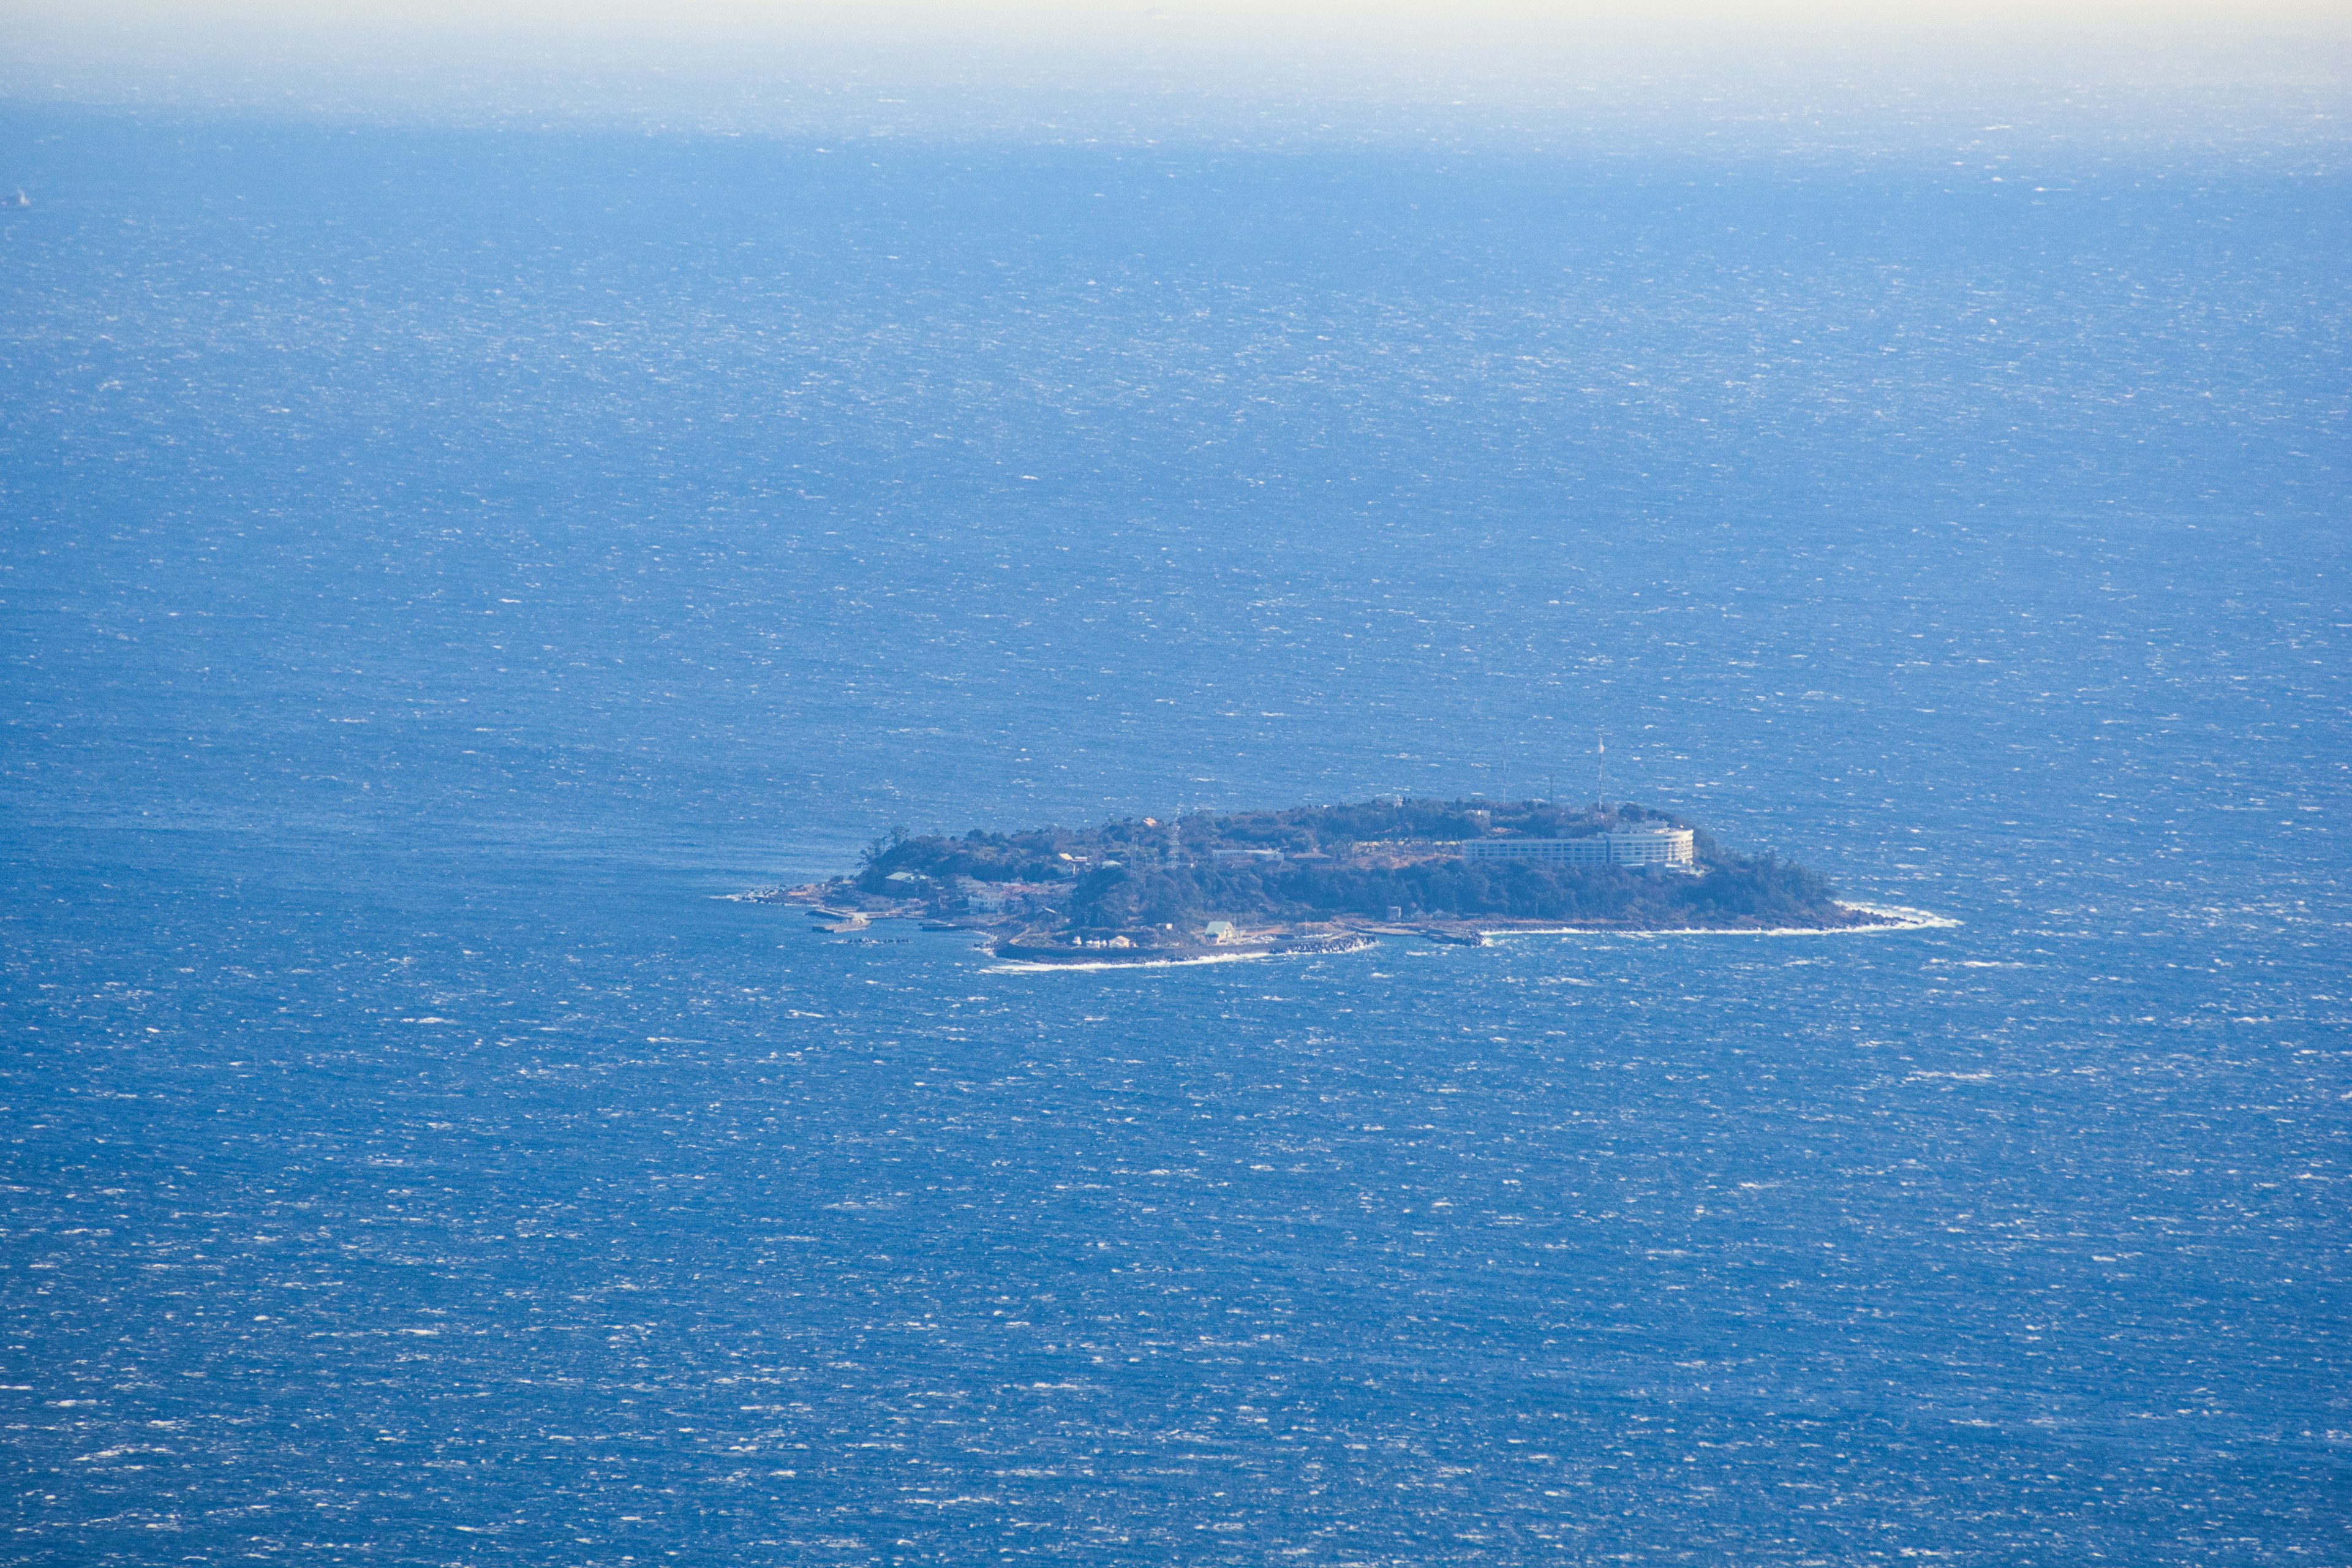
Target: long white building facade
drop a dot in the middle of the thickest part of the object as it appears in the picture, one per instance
(1626, 847)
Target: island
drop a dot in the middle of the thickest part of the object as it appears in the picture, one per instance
(1203, 886)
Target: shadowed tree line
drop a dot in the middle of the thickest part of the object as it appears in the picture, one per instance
(1763, 891)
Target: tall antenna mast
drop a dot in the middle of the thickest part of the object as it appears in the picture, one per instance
(1599, 783)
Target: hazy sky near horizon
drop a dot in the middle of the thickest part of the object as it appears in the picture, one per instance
(1802, 72)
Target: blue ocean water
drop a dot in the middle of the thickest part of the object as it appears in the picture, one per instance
(439, 566)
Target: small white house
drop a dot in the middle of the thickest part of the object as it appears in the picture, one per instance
(1219, 930)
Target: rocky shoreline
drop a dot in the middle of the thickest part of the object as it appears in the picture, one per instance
(837, 910)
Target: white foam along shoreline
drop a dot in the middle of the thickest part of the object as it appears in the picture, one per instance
(1898, 919)
(1018, 968)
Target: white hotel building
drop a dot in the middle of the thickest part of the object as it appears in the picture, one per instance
(1627, 847)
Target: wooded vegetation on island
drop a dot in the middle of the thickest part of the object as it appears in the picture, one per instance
(1370, 860)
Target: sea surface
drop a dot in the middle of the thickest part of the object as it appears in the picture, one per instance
(438, 566)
